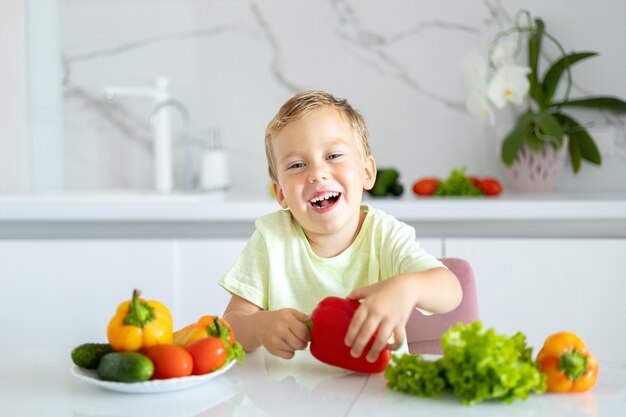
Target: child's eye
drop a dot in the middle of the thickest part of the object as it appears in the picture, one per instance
(295, 165)
(333, 156)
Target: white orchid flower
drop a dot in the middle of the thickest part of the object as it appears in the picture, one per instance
(503, 54)
(475, 69)
(509, 84)
(477, 104)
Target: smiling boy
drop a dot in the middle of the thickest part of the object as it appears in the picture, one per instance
(326, 243)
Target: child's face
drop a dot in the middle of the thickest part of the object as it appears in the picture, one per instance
(321, 172)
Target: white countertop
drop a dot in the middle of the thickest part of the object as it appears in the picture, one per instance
(191, 207)
(36, 382)
(561, 215)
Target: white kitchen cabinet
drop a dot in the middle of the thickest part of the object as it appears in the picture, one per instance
(65, 291)
(199, 266)
(541, 286)
(432, 245)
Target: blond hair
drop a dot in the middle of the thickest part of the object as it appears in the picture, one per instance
(304, 103)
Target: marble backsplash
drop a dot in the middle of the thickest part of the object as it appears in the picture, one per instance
(233, 63)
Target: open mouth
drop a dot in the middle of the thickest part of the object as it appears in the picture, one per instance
(324, 200)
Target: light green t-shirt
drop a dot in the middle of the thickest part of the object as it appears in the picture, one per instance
(278, 269)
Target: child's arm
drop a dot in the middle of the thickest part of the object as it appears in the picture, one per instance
(281, 332)
(387, 305)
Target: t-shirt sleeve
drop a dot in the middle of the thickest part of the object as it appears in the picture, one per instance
(407, 255)
(248, 278)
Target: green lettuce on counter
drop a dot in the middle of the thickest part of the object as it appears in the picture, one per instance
(477, 365)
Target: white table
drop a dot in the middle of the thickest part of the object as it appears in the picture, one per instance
(36, 381)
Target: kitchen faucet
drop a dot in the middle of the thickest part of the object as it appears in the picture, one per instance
(155, 120)
(163, 173)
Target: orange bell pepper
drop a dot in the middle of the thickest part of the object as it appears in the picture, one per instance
(206, 326)
(140, 324)
(567, 363)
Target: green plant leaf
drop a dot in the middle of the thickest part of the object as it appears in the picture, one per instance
(574, 155)
(600, 102)
(588, 148)
(582, 140)
(550, 126)
(534, 49)
(533, 141)
(553, 76)
(534, 44)
(513, 142)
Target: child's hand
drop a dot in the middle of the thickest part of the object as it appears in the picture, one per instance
(284, 331)
(385, 307)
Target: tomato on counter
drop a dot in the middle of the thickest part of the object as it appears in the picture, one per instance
(170, 361)
(426, 186)
(489, 186)
(208, 355)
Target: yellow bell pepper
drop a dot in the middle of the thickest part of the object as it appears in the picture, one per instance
(140, 324)
(206, 326)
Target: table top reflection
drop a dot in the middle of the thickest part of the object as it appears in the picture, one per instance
(36, 381)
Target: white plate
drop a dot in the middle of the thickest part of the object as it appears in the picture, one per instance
(148, 387)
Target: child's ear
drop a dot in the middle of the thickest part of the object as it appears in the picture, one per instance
(370, 173)
(278, 193)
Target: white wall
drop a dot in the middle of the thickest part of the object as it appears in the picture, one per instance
(234, 63)
(45, 95)
(14, 145)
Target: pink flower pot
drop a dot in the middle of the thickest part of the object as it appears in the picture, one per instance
(537, 171)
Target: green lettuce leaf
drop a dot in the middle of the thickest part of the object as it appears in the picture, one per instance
(477, 365)
(458, 184)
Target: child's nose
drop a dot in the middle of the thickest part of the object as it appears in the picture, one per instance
(317, 172)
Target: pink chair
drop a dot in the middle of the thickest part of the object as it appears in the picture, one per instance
(424, 332)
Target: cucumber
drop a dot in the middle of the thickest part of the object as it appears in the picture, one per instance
(88, 355)
(396, 189)
(125, 367)
(384, 179)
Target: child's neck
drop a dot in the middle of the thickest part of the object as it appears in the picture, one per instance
(329, 246)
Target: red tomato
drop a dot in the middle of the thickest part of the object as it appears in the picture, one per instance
(426, 186)
(490, 186)
(208, 354)
(474, 180)
(170, 361)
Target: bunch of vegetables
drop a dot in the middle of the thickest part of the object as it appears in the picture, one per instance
(477, 365)
(457, 184)
(142, 345)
